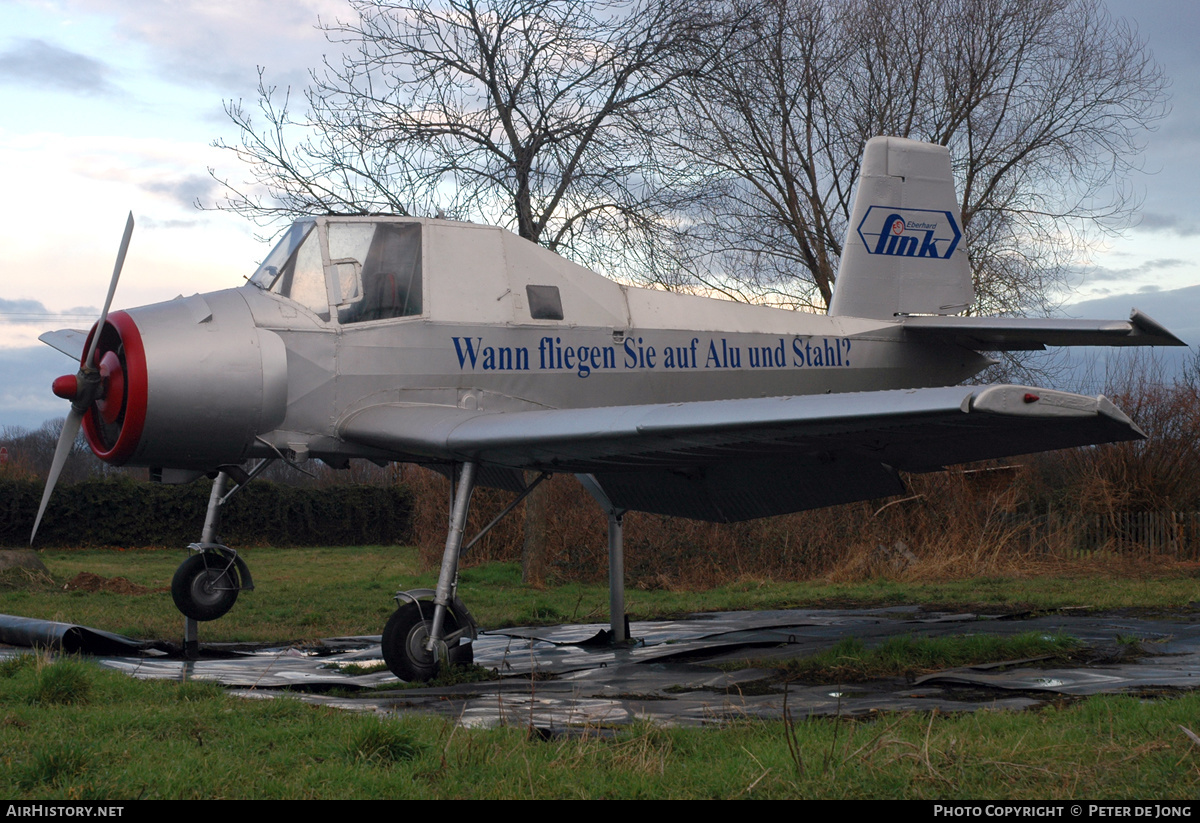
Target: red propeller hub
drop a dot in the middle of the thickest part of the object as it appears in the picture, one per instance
(66, 387)
(113, 424)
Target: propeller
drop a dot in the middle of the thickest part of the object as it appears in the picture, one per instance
(90, 386)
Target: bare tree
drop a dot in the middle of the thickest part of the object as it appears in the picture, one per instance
(542, 116)
(32, 450)
(1041, 102)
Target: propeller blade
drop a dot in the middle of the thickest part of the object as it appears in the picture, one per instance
(89, 375)
(66, 439)
(112, 288)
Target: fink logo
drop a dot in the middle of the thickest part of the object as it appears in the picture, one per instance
(909, 232)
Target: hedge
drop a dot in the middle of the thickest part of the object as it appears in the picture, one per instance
(132, 514)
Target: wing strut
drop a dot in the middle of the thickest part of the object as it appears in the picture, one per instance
(537, 482)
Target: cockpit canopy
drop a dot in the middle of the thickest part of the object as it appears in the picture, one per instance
(362, 270)
(374, 268)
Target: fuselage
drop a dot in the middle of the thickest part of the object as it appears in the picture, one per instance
(352, 312)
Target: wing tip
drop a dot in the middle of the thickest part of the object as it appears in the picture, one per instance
(1144, 325)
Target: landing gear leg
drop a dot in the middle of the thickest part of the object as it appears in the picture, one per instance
(206, 585)
(191, 627)
(418, 640)
(618, 623)
(448, 578)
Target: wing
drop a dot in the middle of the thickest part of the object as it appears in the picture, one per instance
(1034, 334)
(727, 460)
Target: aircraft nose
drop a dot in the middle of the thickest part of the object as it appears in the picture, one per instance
(217, 382)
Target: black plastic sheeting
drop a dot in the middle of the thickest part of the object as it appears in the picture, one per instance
(67, 637)
(551, 677)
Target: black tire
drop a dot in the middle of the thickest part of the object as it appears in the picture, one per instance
(205, 586)
(404, 643)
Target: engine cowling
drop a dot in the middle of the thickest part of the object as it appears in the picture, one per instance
(186, 384)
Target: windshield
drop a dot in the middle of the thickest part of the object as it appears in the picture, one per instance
(265, 276)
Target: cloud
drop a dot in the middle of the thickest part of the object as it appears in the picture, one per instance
(34, 311)
(1101, 273)
(1169, 224)
(1174, 308)
(168, 170)
(25, 378)
(154, 223)
(22, 307)
(221, 44)
(34, 62)
(185, 190)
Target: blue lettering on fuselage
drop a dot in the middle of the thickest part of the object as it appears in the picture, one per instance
(639, 354)
(495, 358)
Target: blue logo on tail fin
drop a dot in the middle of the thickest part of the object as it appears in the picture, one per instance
(909, 232)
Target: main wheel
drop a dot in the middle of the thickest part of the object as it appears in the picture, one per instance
(404, 643)
(205, 586)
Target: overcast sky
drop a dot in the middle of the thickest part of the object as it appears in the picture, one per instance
(111, 106)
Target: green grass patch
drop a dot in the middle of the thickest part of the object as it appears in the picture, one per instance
(850, 661)
(63, 683)
(158, 739)
(381, 744)
(52, 765)
(307, 593)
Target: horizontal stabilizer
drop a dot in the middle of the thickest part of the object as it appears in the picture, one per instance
(68, 341)
(1034, 334)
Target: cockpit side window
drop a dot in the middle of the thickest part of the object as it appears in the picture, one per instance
(389, 270)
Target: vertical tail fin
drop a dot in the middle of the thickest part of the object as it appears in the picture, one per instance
(904, 251)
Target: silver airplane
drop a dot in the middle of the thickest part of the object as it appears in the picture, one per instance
(465, 348)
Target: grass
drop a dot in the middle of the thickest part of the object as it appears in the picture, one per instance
(304, 594)
(382, 744)
(156, 739)
(69, 730)
(850, 661)
(65, 683)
